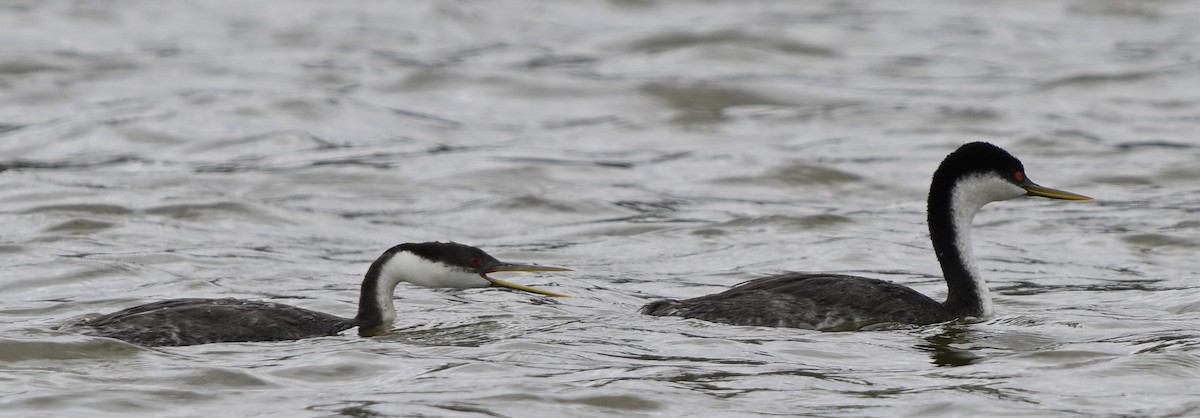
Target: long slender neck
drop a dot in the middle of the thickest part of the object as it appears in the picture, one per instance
(951, 209)
(376, 312)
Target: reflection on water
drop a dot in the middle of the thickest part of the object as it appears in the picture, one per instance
(942, 347)
(661, 149)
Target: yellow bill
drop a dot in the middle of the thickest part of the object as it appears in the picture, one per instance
(523, 267)
(1035, 190)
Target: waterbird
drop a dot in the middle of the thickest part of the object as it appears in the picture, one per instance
(179, 322)
(972, 176)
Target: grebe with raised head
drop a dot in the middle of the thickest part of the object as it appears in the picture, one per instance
(974, 175)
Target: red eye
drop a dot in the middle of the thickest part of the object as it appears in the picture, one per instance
(473, 262)
(1019, 176)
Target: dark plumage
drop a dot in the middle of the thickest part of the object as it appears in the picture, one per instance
(829, 302)
(202, 321)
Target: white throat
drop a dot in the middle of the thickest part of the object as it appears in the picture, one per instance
(408, 267)
(969, 195)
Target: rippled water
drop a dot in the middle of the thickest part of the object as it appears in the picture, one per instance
(271, 150)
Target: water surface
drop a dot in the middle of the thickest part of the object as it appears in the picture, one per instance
(272, 150)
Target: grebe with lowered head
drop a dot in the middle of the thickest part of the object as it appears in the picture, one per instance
(201, 321)
(972, 176)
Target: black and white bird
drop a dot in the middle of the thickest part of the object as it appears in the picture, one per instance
(178, 322)
(969, 178)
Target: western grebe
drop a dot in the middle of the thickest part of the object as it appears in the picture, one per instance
(201, 321)
(974, 175)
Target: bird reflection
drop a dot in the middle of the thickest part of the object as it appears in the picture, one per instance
(943, 353)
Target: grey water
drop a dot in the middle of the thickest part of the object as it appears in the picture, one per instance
(271, 150)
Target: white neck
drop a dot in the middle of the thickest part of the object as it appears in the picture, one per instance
(407, 267)
(970, 194)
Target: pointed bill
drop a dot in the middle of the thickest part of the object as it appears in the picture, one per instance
(523, 267)
(1035, 190)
